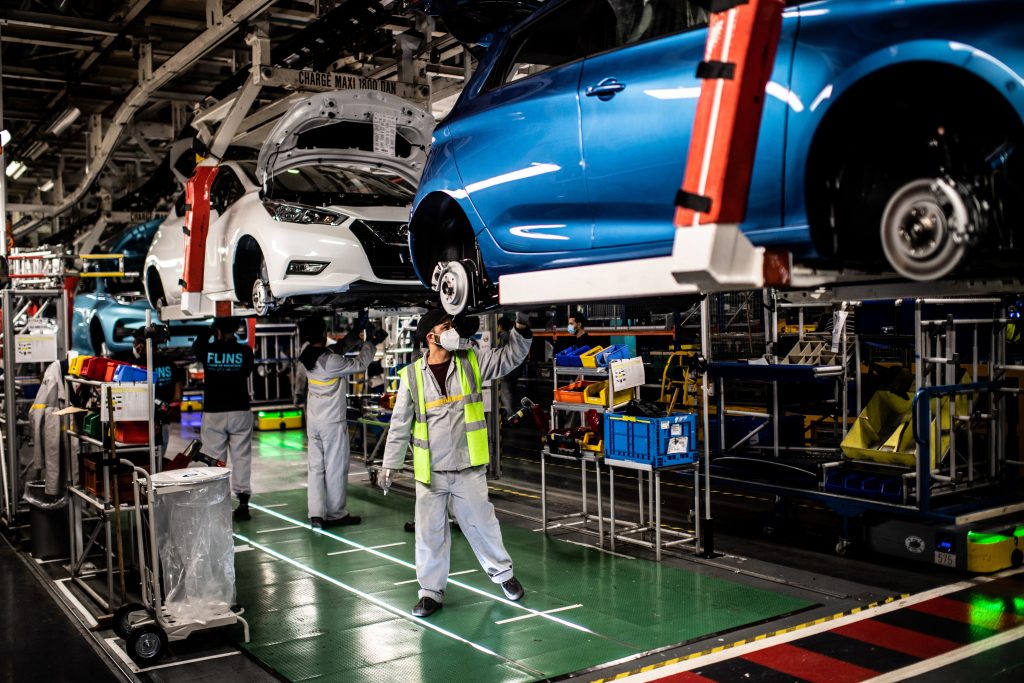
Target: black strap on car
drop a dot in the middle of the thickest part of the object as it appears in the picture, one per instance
(712, 70)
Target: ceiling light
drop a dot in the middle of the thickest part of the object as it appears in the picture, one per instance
(64, 120)
(15, 169)
(47, 186)
(5, 137)
(36, 149)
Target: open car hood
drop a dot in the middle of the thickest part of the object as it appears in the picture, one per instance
(349, 127)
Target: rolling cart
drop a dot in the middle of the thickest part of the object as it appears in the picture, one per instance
(186, 558)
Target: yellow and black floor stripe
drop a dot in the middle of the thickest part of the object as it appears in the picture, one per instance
(757, 638)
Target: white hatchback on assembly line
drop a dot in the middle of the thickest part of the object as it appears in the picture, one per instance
(322, 215)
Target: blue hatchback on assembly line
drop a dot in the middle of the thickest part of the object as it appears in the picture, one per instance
(891, 140)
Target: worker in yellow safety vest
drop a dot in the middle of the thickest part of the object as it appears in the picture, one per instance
(440, 406)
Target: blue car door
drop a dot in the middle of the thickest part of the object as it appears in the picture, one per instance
(517, 144)
(638, 103)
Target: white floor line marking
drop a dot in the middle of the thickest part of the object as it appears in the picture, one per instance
(594, 547)
(242, 548)
(79, 607)
(754, 646)
(56, 559)
(276, 505)
(280, 528)
(403, 583)
(385, 606)
(359, 550)
(531, 616)
(410, 565)
(123, 656)
(950, 657)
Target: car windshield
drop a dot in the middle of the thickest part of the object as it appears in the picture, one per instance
(326, 185)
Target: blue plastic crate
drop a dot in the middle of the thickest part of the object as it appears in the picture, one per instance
(571, 357)
(658, 441)
(129, 373)
(613, 352)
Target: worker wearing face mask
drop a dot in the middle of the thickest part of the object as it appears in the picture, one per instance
(440, 406)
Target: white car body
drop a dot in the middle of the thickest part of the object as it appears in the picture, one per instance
(360, 248)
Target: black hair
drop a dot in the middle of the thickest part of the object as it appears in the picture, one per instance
(505, 323)
(579, 317)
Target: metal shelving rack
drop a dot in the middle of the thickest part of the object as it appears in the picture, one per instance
(106, 506)
(584, 515)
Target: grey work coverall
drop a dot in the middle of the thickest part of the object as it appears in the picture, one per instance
(327, 429)
(451, 477)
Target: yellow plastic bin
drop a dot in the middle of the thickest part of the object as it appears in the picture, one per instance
(597, 394)
(589, 359)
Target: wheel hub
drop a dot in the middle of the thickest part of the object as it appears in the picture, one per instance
(262, 299)
(148, 645)
(924, 229)
(454, 286)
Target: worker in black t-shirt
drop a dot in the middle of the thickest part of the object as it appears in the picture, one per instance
(227, 421)
(168, 380)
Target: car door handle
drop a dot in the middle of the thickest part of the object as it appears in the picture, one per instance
(605, 89)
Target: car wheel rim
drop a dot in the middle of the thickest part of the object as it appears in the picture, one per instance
(147, 645)
(922, 229)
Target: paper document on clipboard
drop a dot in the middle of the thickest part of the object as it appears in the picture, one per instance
(627, 373)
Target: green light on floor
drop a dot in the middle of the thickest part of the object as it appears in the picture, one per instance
(1019, 531)
(284, 414)
(1018, 605)
(982, 608)
(985, 539)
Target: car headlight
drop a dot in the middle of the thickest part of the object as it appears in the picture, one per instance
(303, 215)
(306, 267)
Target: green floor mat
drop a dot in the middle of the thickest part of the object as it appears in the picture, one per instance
(335, 606)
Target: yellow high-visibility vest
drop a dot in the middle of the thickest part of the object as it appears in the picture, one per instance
(472, 400)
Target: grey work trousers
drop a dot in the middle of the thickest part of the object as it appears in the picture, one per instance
(328, 461)
(228, 436)
(467, 491)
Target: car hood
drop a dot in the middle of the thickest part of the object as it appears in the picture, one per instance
(284, 147)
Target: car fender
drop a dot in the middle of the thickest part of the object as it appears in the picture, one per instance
(822, 93)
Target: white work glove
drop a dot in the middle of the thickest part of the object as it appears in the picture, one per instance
(384, 478)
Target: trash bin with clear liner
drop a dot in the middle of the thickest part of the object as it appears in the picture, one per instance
(196, 549)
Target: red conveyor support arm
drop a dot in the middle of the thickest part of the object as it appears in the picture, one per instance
(743, 36)
(197, 224)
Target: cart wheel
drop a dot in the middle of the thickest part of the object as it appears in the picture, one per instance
(122, 621)
(843, 547)
(146, 644)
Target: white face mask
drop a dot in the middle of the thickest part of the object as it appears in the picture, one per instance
(451, 341)
(571, 329)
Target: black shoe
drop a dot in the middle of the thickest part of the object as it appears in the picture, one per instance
(410, 527)
(425, 607)
(316, 522)
(343, 521)
(241, 514)
(513, 589)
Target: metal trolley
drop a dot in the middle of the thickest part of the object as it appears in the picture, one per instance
(147, 627)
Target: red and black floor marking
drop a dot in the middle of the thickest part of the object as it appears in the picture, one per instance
(864, 649)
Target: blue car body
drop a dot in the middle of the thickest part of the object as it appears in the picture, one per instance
(106, 317)
(546, 176)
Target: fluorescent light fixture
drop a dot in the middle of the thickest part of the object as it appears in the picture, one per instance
(36, 149)
(64, 120)
(15, 169)
(5, 137)
(47, 186)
